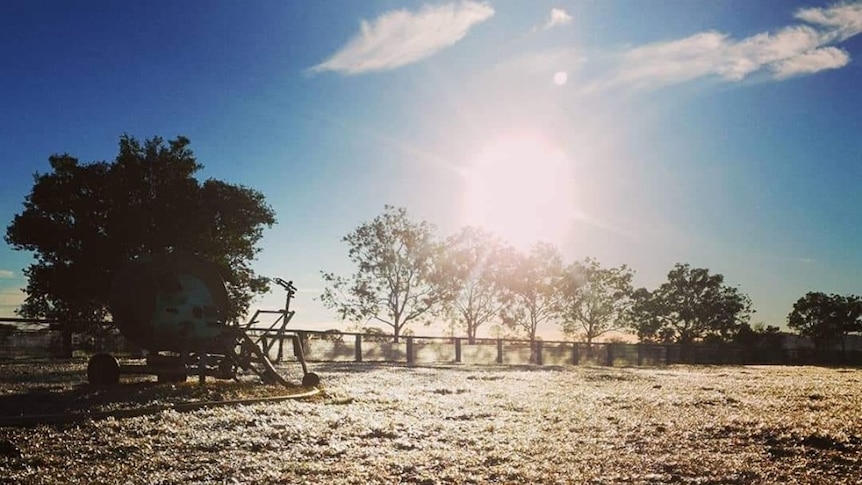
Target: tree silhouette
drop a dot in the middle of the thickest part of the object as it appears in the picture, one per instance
(398, 278)
(532, 289)
(826, 319)
(691, 305)
(84, 222)
(594, 300)
(474, 264)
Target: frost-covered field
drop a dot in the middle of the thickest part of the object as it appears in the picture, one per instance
(393, 424)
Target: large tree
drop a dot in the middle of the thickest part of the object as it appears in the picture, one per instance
(594, 300)
(474, 264)
(826, 319)
(692, 305)
(532, 289)
(83, 222)
(398, 279)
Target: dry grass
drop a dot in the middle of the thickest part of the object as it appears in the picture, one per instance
(391, 424)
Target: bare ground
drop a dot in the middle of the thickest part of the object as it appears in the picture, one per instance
(378, 423)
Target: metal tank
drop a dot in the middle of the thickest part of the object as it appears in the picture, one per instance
(170, 302)
(174, 306)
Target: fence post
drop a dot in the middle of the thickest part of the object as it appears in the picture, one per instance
(640, 355)
(499, 351)
(576, 358)
(539, 346)
(358, 353)
(610, 362)
(202, 366)
(457, 350)
(66, 351)
(410, 350)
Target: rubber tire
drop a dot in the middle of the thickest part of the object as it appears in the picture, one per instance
(103, 370)
(310, 380)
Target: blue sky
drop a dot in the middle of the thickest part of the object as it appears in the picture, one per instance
(721, 134)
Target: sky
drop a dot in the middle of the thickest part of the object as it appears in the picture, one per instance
(723, 134)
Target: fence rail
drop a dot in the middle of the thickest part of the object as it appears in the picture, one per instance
(45, 339)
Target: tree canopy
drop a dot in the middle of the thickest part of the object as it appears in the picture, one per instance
(532, 289)
(691, 305)
(398, 278)
(826, 319)
(475, 265)
(594, 300)
(84, 222)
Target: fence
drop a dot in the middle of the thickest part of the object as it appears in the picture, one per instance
(48, 342)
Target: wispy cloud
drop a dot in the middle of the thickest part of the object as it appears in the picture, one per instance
(6, 274)
(557, 17)
(401, 37)
(843, 20)
(10, 300)
(791, 51)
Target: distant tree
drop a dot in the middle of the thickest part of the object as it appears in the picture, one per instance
(532, 289)
(826, 319)
(691, 305)
(398, 277)
(332, 335)
(759, 336)
(594, 300)
(374, 334)
(474, 264)
(84, 222)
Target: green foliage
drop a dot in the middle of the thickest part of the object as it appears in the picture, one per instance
(398, 278)
(691, 305)
(532, 288)
(593, 300)
(475, 263)
(84, 222)
(826, 319)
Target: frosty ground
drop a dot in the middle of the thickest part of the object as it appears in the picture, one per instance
(379, 423)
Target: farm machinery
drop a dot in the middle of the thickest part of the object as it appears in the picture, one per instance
(173, 306)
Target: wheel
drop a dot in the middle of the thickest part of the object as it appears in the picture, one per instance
(310, 380)
(103, 370)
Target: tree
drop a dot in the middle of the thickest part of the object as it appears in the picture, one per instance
(691, 305)
(594, 300)
(759, 337)
(531, 292)
(84, 222)
(645, 317)
(474, 263)
(398, 278)
(826, 319)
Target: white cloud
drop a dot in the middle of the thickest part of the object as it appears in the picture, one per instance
(6, 274)
(811, 62)
(791, 51)
(557, 17)
(843, 20)
(401, 37)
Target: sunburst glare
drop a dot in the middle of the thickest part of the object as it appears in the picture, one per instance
(520, 187)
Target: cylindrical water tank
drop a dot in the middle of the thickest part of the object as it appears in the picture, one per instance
(171, 302)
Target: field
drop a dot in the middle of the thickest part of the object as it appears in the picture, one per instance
(376, 423)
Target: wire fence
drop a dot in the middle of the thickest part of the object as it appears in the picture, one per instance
(49, 341)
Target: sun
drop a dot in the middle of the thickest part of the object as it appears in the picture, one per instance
(520, 188)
